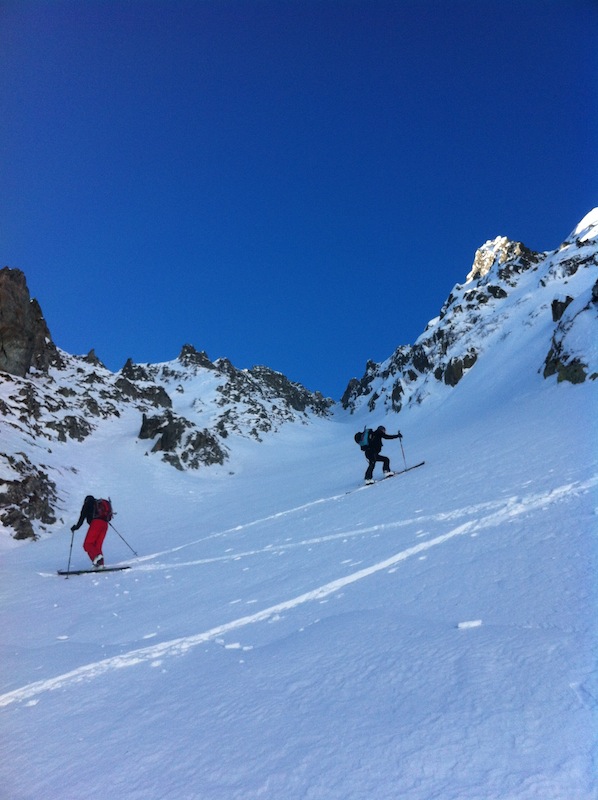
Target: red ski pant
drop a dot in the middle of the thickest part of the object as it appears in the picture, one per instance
(95, 538)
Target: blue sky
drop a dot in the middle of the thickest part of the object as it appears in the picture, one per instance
(296, 184)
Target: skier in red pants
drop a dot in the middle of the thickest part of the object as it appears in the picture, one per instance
(98, 519)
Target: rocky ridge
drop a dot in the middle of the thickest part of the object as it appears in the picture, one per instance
(187, 410)
(508, 286)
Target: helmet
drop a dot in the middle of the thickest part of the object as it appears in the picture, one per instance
(382, 428)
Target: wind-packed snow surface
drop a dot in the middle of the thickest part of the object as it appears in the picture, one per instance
(432, 636)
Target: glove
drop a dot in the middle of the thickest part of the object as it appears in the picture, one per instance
(74, 528)
(399, 434)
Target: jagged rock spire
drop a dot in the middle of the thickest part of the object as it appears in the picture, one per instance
(25, 340)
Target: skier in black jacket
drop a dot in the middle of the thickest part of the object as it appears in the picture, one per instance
(372, 453)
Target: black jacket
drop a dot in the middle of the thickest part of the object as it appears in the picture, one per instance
(375, 441)
(87, 512)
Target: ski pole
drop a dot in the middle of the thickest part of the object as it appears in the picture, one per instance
(123, 538)
(402, 451)
(68, 569)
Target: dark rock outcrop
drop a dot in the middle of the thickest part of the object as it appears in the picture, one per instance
(456, 367)
(25, 340)
(28, 498)
(190, 357)
(181, 444)
(559, 307)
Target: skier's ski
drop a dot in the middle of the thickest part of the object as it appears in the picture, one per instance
(394, 474)
(401, 471)
(91, 571)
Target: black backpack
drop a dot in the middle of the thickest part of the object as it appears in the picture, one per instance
(362, 438)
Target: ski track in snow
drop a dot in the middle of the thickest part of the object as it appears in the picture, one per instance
(499, 512)
(438, 517)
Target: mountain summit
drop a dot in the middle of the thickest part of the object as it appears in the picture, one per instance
(512, 298)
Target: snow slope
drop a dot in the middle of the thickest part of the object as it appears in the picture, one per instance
(432, 636)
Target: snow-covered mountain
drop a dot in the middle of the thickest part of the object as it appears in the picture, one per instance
(284, 631)
(184, 412)
(190, 412)
(546, 301)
